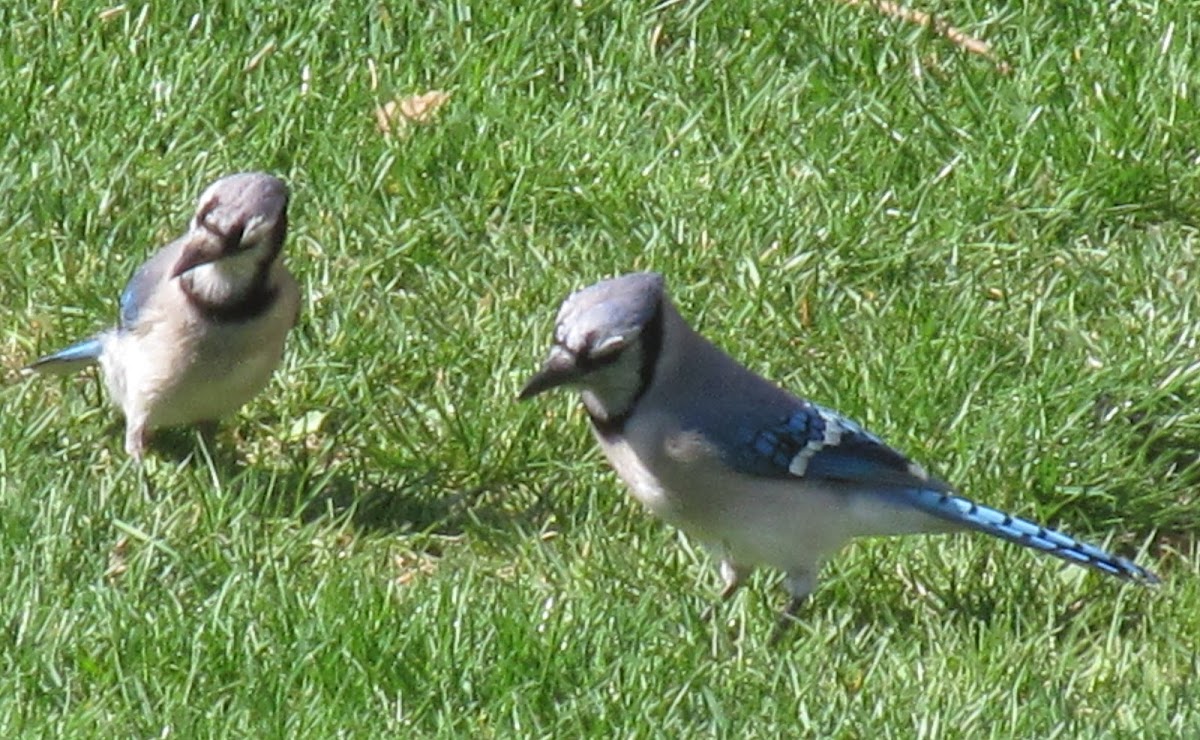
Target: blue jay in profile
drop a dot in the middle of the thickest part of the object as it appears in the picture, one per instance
(202, 323)
(761, 477)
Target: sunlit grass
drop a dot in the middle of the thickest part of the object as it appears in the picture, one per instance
(995, 272)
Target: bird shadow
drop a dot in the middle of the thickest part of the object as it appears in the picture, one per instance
(969, 603)
(178, 445)
(313, 491)
(424, 503)
(907, 606)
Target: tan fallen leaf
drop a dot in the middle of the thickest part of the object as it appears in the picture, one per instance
(397, 116)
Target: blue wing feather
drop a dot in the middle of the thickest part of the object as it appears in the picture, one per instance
(817, 443)
(137, 290)
(148, 277)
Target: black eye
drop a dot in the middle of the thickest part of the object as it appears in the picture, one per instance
(231, 241)
(605, 354)
(233, 238)
(204, 213)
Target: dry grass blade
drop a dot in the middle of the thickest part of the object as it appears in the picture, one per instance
(957, 37)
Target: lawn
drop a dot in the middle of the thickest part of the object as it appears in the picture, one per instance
(996, 271)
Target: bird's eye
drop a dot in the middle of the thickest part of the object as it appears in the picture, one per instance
(203, 214)
(608, 349)
(232, 239)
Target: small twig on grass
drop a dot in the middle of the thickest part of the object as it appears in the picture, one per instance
(939, 26)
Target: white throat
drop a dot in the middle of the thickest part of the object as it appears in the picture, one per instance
(610, 393)
(224, 281)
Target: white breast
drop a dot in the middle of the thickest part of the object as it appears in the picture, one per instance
(178, 368)
(642, 483)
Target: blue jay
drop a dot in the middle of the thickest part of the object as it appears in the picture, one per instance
(760, 476)
(202, 323)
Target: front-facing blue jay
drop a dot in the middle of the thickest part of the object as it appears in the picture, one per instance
(761, 477)
(202, 323)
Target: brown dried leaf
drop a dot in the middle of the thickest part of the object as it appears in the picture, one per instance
(805, 311)
(396, 116)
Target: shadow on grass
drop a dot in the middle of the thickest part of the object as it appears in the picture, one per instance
(1162, 430)
(974, 603)
(372, 496)
(424, 504)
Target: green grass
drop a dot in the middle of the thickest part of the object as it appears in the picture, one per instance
(996, 273)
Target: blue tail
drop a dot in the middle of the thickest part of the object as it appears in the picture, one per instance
(69, 360)
(1024, 532)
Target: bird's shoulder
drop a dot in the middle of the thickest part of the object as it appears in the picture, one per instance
(146, 279)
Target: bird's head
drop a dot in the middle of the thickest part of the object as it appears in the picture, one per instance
(607, 339)
(237, 232)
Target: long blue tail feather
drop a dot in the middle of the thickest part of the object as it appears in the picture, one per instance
(69, 359)
(991, 521)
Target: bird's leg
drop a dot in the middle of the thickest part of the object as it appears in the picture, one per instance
(734, 576)
(135, 439)
(800, 585)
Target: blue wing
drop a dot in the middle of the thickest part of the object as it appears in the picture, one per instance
(142, 285)
(817, 443)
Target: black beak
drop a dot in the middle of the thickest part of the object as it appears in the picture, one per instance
(560, 368)
(195, 253)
